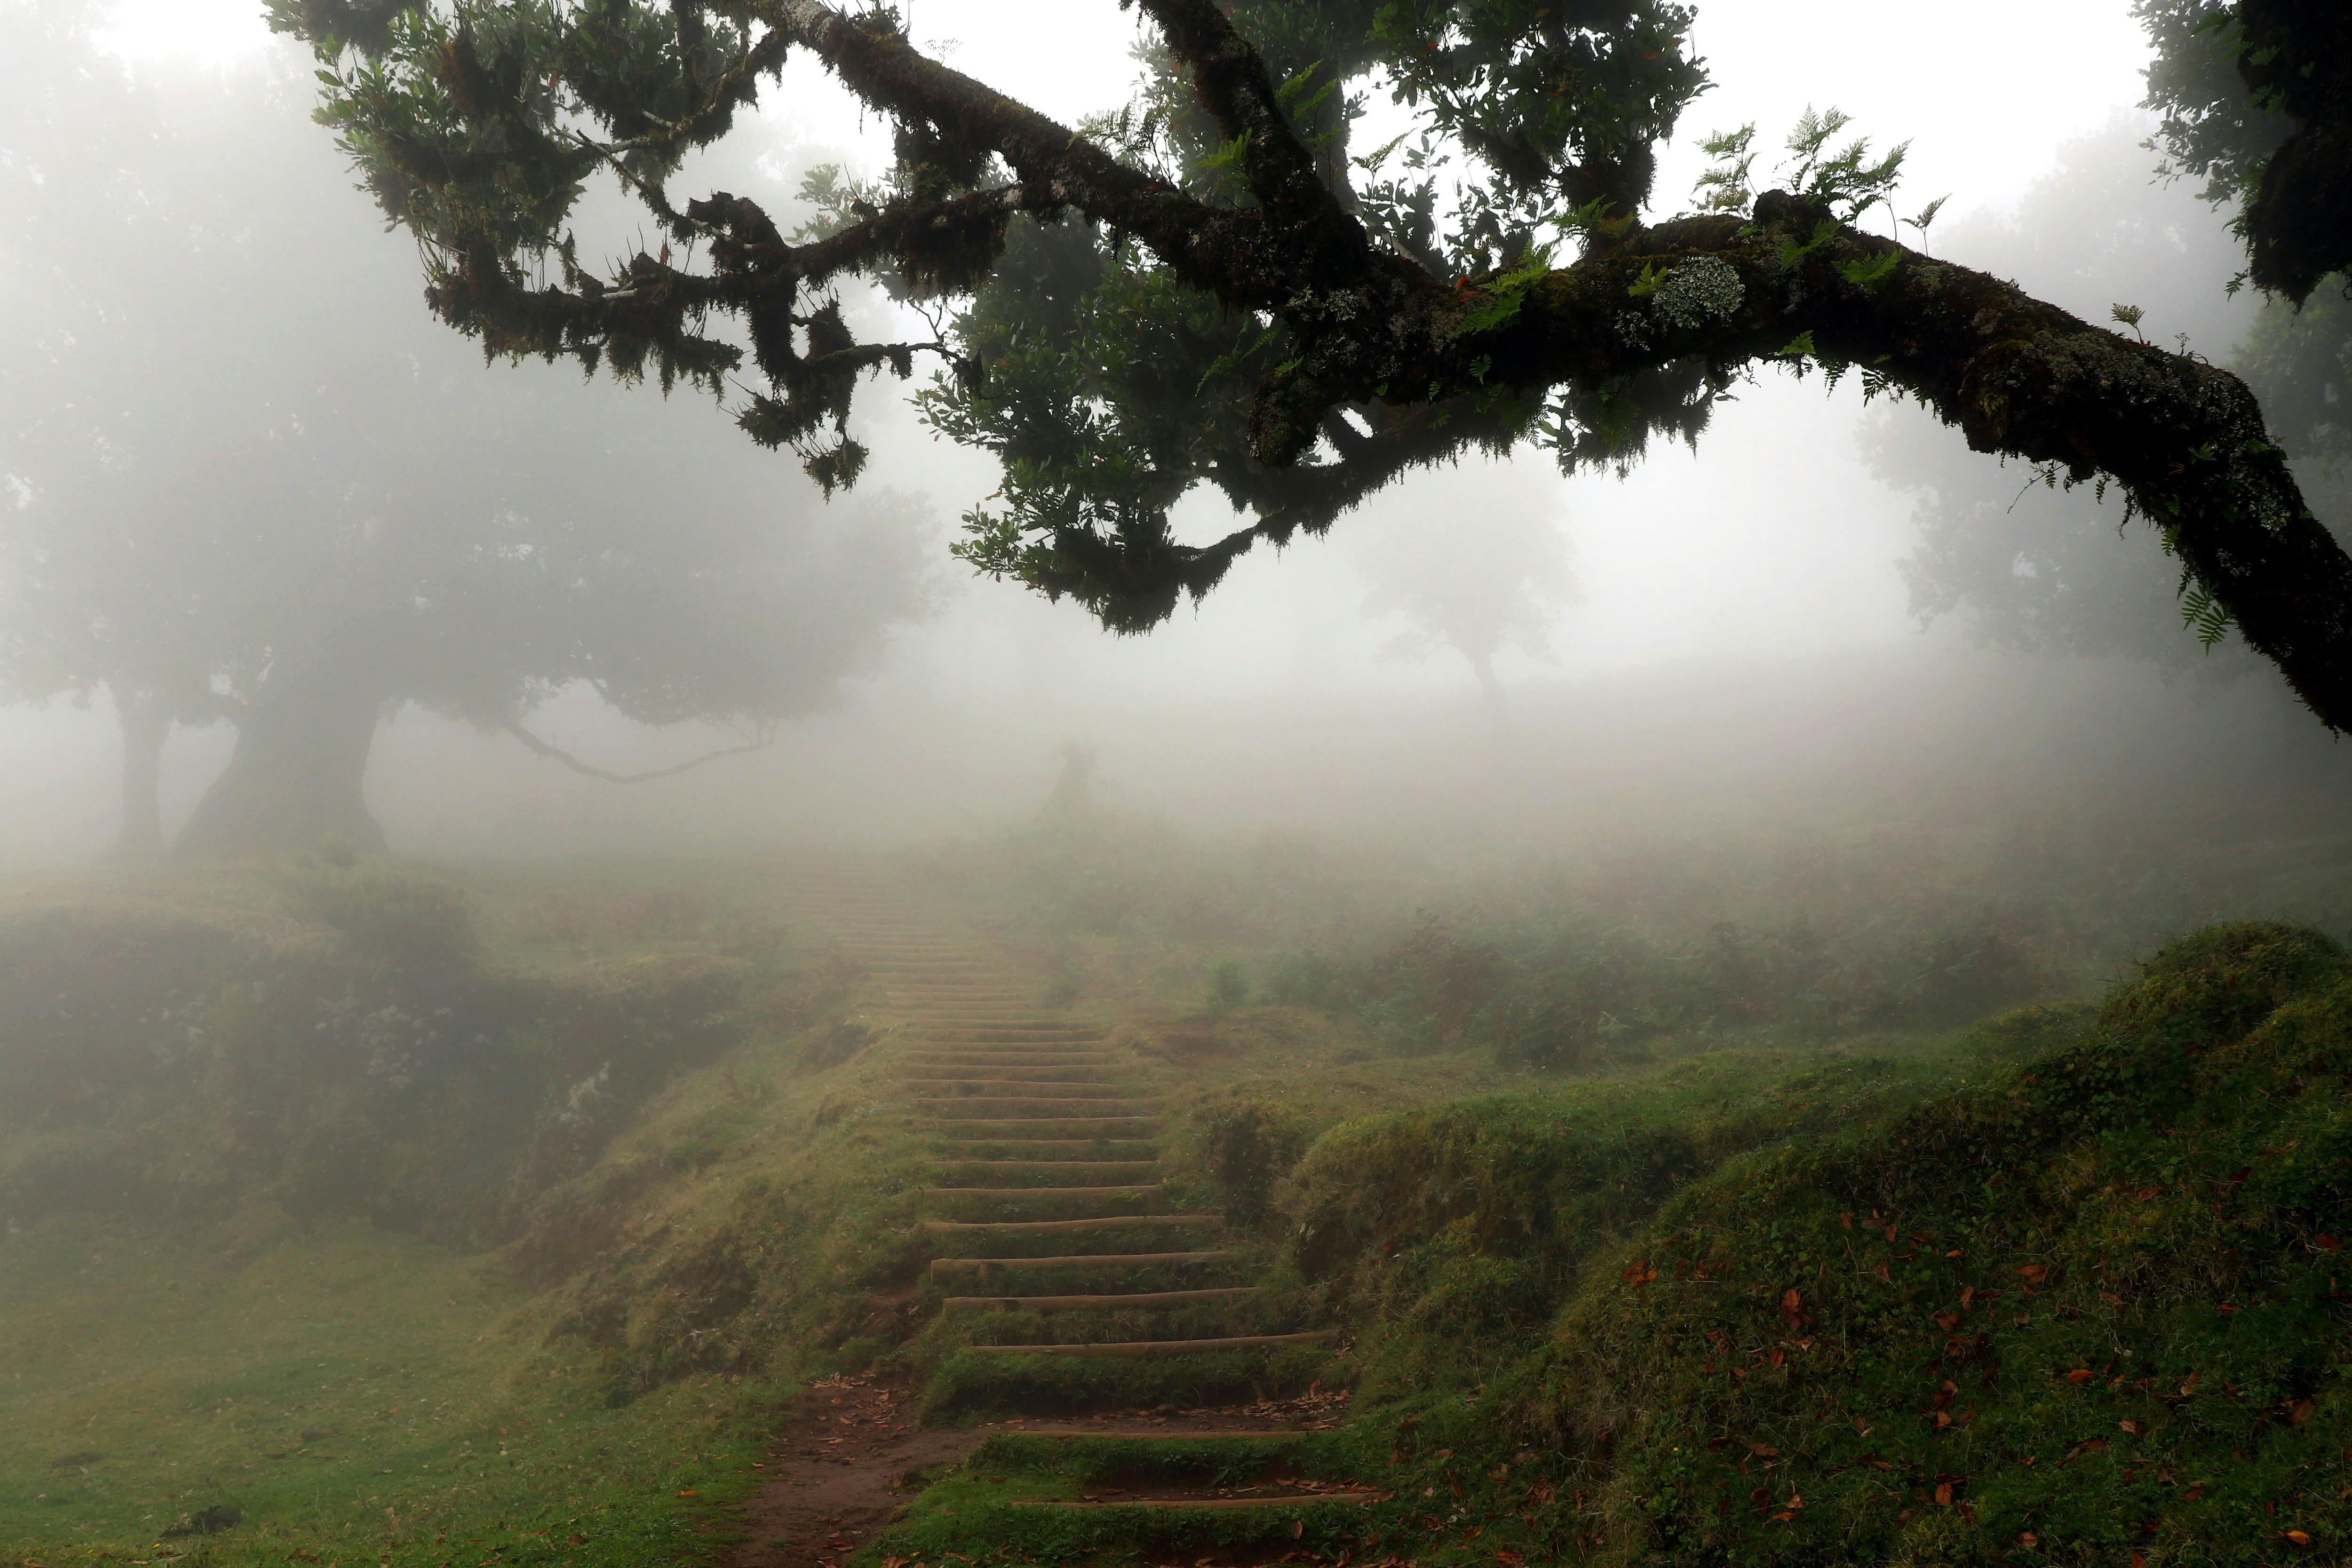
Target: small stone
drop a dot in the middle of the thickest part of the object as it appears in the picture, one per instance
(205, 1522)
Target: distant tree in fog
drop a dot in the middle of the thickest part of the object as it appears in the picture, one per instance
(1215, 288)
(1492, 577)
(2256, 100)
(244, 480)
(2270, 141)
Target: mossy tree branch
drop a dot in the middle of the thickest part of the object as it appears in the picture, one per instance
(1355, 360)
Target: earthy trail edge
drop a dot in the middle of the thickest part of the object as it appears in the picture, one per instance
(847, 1457)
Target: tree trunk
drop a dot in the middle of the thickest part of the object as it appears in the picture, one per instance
(297, 773)
(1484, 664)
(146, 721)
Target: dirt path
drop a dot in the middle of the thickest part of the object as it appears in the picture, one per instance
(836, 1470)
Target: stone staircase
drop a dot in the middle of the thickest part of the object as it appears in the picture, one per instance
(1050, 1225)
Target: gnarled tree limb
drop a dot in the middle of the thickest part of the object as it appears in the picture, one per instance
(1636, 336)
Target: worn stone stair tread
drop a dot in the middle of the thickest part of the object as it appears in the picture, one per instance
(1168, 1434)
(1071, 1167)
(1075, 1145)
(1104, 1222)
(992, 1050)
(1014, 1058)
(982, 1080)
(1143, 1189)
(1089, 1303)
(1083, 1261)
(1083, 1108)
(1025, 1083)
(1358, 1496)
(970, 1122)
(1144, 1349)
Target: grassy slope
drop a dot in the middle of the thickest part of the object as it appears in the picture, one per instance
(1523, 1384)
(2068, 1290)
(195, 1366)
(466, 1408)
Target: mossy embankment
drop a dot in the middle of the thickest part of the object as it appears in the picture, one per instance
(2067, 1287)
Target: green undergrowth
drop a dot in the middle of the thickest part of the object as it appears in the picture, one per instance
(1572, 1306)
(225, 1224)
(2085, 1308)
(2096, 1302)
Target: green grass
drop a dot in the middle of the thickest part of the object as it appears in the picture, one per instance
(437, 1420)
(1513, 1256)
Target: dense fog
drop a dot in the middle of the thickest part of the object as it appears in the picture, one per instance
(1286, 784)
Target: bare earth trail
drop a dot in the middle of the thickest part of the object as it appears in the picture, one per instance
(1026, 1108)
(839, 1469)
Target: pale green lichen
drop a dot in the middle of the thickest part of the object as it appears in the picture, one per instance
(1699, 293)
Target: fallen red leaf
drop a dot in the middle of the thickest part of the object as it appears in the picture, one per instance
(2080, 1375)
(2034, 1273)
(1948, 1322)
(2329, 1242)
(1943, 1494)
(2299, 1537)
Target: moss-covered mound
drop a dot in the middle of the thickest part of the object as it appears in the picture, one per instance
(2088, 1309)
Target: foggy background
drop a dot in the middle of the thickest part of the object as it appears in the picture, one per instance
(1722, 641)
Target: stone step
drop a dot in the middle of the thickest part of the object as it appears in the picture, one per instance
(1146, 1349)
(1352, 1497)
(1085, 1075)
(1087, 1304)
(1013, 1053)
(1108, 1222)
(941, 1267)
(1169, 1434)
(1128, 1124)
(1145, 1189)
(936, 1090)
(1026, 1064)
(1057, 1167)
(1080, 1108)
(1039, 1145)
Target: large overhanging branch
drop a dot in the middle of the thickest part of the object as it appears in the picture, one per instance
(1361, 326)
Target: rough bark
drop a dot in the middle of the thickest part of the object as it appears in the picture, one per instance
(298, 769)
